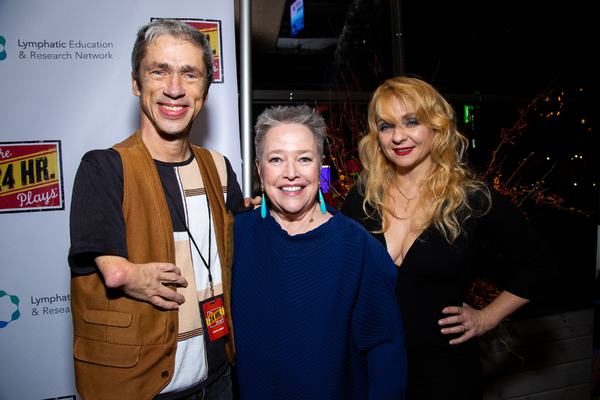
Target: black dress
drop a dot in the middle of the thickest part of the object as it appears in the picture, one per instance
(434, 274)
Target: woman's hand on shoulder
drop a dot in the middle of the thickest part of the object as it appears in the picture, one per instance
(466, 320)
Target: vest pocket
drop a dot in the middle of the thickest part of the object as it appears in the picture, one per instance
(103, 353)
(109, 318)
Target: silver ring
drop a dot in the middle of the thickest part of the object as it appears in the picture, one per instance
(465, 326)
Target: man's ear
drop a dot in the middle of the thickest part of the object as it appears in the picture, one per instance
(134, 86)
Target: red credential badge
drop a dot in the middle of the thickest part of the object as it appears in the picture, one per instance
(214, 312)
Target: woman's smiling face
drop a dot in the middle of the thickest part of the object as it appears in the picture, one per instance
(404, 140)
(290, 169)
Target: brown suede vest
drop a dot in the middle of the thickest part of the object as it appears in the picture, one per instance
(125, 348)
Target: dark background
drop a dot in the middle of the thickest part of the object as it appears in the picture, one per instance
(494, 56)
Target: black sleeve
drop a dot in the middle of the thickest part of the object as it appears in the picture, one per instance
(235, 198)
(352, 206)
(353, 209)
(97, 224)
(506, 228)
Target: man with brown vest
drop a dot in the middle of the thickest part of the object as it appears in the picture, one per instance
(151, 239)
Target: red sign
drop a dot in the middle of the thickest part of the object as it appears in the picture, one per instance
(213, 30)
(31, 176)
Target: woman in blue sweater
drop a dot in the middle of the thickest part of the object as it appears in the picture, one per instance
(313, 294)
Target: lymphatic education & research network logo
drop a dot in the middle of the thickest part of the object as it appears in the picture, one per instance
(2, 48)
(13, 311)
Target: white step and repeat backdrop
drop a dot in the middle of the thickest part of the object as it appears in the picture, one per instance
(65, 88)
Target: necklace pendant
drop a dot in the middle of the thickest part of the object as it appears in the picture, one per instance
(407, 205)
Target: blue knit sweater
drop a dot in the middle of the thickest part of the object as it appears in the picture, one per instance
(315, 315)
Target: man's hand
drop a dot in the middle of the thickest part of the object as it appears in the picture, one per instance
(145, 282)
(252, 202)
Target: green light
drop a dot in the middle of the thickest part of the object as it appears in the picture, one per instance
(468, 114)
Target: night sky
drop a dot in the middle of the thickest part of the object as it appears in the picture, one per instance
(508, 47)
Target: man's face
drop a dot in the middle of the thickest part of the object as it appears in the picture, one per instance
(171, 88)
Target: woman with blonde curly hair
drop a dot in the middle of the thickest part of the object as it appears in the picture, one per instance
(418, 198)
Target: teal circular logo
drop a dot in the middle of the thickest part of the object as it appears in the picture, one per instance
(2, 50)
(14, 300)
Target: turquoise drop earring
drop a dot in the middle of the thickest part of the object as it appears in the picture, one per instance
(263, 206)
(322, 202)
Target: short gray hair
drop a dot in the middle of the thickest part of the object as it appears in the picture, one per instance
(282, 115)
(148, 34)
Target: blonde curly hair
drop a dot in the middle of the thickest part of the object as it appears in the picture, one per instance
(449, 185)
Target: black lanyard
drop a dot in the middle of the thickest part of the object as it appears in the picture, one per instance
(206, 264)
